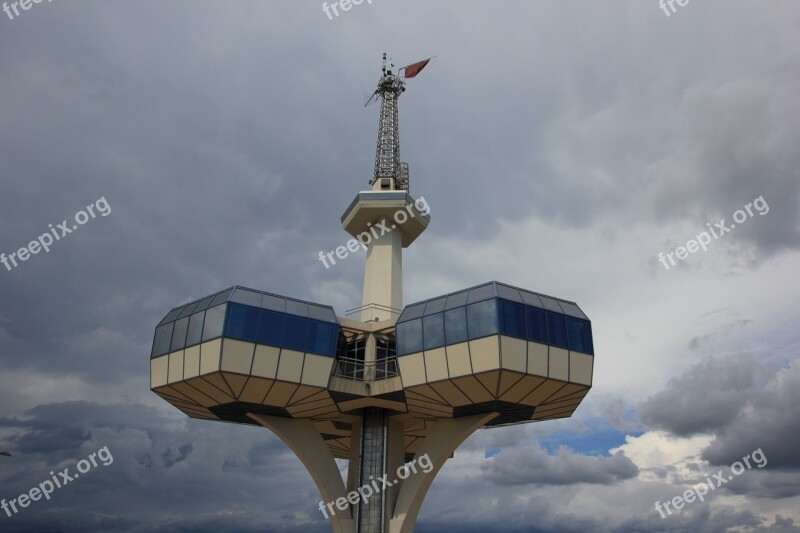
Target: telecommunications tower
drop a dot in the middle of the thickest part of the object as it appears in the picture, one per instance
(386, 384)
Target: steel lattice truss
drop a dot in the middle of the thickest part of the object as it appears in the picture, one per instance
(387, 155)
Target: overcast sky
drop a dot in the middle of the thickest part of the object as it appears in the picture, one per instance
(560, 145)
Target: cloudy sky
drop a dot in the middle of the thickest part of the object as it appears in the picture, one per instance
(561, 147)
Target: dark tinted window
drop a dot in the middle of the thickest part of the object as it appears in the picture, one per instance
(294, 333)
(536, 324)
(215, 319)
(455, 325)
(242, 322)
(179, 334)
(557, 329)
(409, 337)
(203, 304)
(482, 319)
(580, 335)
(172, 315)
(162, 340)
(270, 328)
(195, 334)
(512, 318)
(433, 331)
(322, 337)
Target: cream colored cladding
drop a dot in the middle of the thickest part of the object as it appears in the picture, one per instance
(522, 379)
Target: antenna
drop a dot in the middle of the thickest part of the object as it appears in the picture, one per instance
(387, 153)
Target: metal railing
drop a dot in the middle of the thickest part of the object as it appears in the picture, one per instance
(361, 371)
(367, 313)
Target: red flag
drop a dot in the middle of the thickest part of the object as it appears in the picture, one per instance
(416, 68)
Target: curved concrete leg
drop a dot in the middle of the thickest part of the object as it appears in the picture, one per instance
(306, 442)
(439, 444)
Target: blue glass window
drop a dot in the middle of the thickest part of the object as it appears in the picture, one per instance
(195, 334)
(580, 335)
(179, 334)
(435, 306)
(270, 328)
(536, 324)
(322, 337)
(219, 298)
(457, 300)
(512, 318)
(433, 331)
(294, 333)
(557, 329)
(242, 322)
(296, 307)
(246, 297)
(483, 292)
(215, 320)
(455, 325)
(482, 318)
(411, 312)
(162, 340)
(409, 337)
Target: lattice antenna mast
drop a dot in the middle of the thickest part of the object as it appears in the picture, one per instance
(387, 154)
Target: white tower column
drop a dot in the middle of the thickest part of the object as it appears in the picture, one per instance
(383, 275)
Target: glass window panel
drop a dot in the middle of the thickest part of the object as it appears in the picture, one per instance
(557, 329)
(204, 303)
(530, 298)
(512, 318)
(580, 335)
(412, 311)
(242, 322)
(294, 333)
(536, 324)
(247, 297)
(550, 304)
(509, 293)
(571, 309)
(322, 337)
(433, 331)
(297, 307)
(195, 334)
(483, 292)
(172, 315)
(162, 340)
(435, 306)
(179, 334)
(270, 328)
(215, 319)
(409, 337)
(276, 303)
(457, 300)
(221, 298)
(188, 310)
(455, 325)
(320, 312)
(482, 319)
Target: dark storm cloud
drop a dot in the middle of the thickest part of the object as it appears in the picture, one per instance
(534, 466)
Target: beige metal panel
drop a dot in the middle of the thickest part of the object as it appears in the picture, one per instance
(279, 394)
(255, 390)
(175, 366)
(513, 353)
(458, 360)
(451, 393)
(474, 389)
(507, 380)
(537, 359)
(236, 382)
(412, 369)
(304, 394)
(209, 356)
(522, 388)
(568, 391)
(191, 392)
(207, 388)
(436, 364)
(290, 366)
(191, 362)
(317, 370)
(542, 392)
(265, 364)
(485, 354)
(237, 356)
(580, 368)
(158, 371)
(559, 363)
